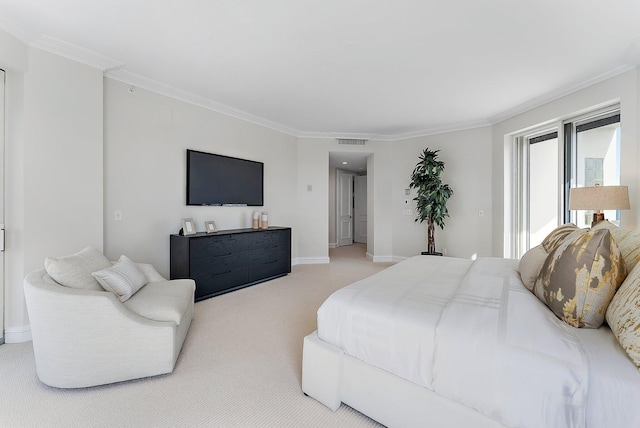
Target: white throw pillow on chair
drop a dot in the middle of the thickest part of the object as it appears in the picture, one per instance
(123, 279)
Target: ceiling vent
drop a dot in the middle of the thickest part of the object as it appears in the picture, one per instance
(352, 141)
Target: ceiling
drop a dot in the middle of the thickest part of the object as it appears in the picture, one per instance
(355, 162)
(385, 69)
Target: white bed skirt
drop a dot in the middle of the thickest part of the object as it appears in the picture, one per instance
(332, 377)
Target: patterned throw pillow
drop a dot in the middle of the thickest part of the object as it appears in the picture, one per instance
(623, 315)
(580, 277)
(123, 279)
(627, 240)
(557, 235)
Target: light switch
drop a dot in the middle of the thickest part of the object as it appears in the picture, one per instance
(118, 215)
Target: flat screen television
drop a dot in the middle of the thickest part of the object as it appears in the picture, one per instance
(222, 180)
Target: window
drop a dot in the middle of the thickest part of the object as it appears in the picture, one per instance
(595, 140)
(539, 189)
(582, 151)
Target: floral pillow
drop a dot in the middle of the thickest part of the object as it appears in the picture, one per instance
(580, 277)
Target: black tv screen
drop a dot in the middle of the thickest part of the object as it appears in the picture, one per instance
(222, 180)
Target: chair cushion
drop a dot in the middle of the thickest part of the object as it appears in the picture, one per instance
(123, 279)
(163, 301)
(580, 277)
(75, 271)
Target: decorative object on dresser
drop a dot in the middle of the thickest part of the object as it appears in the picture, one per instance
(210, 226)
(230, 259)
(431, 201)
(188, 227)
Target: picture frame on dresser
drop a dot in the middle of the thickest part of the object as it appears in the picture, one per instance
(210, 226)
(188, 227)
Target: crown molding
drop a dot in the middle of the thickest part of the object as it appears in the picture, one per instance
(17, 31)
(188, 97)
(555, 95)
(462, 126)
(75, 53)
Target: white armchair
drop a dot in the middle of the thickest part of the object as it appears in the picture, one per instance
(87, 337)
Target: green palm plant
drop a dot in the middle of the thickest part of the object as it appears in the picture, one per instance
(432, 194)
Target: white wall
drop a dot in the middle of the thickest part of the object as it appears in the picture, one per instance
(53, 166)
(146, 137)
(467, 157)
(623, 88)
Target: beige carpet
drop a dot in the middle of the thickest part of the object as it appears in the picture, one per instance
(240, 365)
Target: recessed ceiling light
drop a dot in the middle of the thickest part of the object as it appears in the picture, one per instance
(344, 163)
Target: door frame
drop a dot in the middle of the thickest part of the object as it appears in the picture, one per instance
(359, 208)
(344, 212)
(2, 233)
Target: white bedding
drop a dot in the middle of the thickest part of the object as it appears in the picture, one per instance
(471, 332)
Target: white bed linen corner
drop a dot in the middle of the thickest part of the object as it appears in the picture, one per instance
(472, 333)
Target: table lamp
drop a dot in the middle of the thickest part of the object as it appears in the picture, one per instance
(599, 198)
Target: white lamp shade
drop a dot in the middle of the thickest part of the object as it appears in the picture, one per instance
(599, 198)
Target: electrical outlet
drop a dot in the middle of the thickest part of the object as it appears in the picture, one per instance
(118, 216)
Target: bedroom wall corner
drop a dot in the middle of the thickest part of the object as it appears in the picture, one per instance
(54, 187)
(468, 170)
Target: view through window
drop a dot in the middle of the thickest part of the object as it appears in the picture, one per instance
(580, 152)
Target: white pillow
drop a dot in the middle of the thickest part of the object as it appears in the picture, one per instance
(530, 265)
(123, 279)
(74, 271)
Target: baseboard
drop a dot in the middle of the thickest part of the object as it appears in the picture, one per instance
(310, 261)
(17, 335)
(333, 245)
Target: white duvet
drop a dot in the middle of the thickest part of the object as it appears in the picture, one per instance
(471, 332)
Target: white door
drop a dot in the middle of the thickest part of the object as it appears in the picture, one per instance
(360, 209)
(344, 208)
(1, 207)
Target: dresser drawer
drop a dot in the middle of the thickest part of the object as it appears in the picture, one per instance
(266, 255)
(271, 239)
(215, 284)
(266, 270)
(216, 265)
(214, 246)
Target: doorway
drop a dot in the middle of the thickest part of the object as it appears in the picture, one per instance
(347, 198)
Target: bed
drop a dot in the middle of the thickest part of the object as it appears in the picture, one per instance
(449, 342)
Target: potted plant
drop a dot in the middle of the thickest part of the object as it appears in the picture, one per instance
(432, 195)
